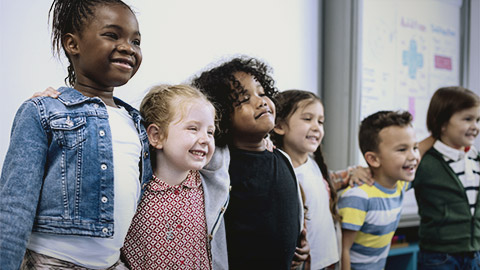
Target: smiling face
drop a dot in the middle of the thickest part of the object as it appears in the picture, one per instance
(189, 144)
(398, 155)
(254, 118)
(303, 131)
(107, 52)
(462, 128)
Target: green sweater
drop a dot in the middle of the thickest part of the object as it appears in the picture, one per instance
(446, 223)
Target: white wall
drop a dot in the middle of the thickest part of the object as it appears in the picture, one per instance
(179, 39)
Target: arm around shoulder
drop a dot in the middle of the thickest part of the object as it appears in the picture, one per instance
(425, 144)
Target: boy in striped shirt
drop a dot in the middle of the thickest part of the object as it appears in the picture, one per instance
(371, 213)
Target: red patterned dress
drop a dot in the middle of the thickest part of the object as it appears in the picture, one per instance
(169, 230)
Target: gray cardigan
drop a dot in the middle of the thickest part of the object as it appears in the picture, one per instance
(216, 188)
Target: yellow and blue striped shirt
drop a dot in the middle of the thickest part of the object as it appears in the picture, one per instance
(373, 211)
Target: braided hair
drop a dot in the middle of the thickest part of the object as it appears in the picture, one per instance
(70, 16)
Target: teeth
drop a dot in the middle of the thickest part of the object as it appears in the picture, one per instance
(198, 153)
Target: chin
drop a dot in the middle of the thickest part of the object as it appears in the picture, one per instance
(408, 178)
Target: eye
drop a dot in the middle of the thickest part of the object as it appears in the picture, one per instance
(320, 122)
(211, 132)
(136, 42)
(403, 149)
(111, 35)
(246, 98)
(192, 128)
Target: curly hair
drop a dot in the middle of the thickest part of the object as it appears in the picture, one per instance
(71, 17)
(370, 128)
(224, 90)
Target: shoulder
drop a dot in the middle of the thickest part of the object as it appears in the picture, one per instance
(430, 163)
(356, 191)
(353, 197)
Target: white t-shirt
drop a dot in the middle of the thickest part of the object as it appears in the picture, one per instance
(93, 252)
(321, 233)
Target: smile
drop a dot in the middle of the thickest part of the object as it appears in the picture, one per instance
(265, 112)
(125, 63)
(198, 153)
(410, 167)
(313, 138)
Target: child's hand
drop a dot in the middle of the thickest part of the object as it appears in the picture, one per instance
(49, 92)
(360, 175)
(301, 253)
(268, 143)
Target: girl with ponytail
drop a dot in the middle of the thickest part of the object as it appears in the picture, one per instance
(76, 165)
(299, 132)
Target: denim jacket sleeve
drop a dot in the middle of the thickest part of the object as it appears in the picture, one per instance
(20, 183)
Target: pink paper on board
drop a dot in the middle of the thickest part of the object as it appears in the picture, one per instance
(411, 106)
(443, 62)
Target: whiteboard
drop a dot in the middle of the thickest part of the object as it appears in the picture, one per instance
(409, 49)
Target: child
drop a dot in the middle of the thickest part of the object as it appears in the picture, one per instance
(264, 217)
(175, 221)
(299, 132)
(371, 213)
(71, 158)
(447, 182)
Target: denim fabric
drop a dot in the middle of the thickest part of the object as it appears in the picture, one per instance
(445, 261)
(58, 172)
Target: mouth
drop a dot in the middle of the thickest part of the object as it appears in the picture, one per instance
(262, 113)
(314, 139)
(198, 153)
(472, 135)
(124, 62)
(410, 167)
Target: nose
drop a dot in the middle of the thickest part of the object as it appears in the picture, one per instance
(262, 101)
(204, 138)
(126, 48)
(414, 153)
(315, 125)
(476, 125)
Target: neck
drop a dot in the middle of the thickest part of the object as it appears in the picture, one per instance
(167, 172)
(383, 179)
(296, 157)
(256, 145)
(106, 95)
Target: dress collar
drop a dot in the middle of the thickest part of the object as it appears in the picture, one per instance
(192, 180)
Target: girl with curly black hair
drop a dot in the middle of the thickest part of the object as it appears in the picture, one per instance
(264, 218)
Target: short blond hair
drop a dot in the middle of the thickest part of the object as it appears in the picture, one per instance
(163, 102)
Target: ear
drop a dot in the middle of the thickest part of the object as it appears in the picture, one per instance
(70, 44)
(372, 159)
(155, 136)
(280, 128)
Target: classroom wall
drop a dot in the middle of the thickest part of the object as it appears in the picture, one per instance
(179, 39)
(354, 86)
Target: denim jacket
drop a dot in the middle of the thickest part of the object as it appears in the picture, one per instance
(58, 172)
